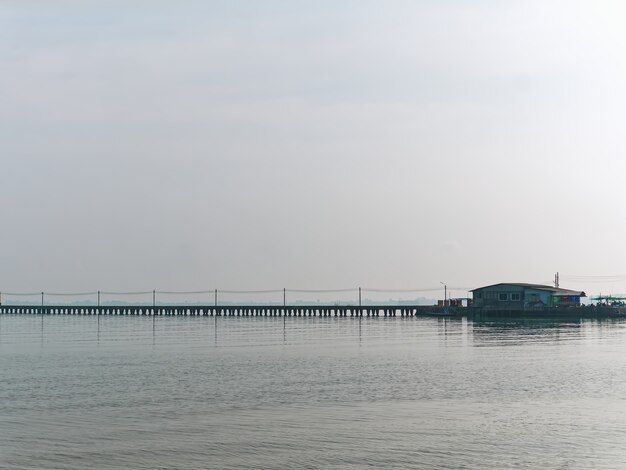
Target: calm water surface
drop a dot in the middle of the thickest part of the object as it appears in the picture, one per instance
(309, 393)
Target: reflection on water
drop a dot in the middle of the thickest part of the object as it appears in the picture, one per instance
(179, 392)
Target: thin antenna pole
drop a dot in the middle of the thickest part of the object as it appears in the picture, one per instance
(445, 292)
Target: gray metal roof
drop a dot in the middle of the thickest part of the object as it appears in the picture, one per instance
(554, 290)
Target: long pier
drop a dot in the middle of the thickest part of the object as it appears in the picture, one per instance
(227, 310)
(311, 310)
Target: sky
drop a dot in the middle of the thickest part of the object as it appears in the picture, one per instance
(197, 145)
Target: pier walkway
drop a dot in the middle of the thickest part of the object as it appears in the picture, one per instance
(228, 310)
(311, 310)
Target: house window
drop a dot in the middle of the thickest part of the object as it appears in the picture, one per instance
(515, 297)
(503, 296)
(491, 295)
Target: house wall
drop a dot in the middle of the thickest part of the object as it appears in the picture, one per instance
(504, 296)
(566, 301)
(512, 297)
(535, 298)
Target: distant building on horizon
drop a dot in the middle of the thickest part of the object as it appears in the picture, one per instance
(523, 296)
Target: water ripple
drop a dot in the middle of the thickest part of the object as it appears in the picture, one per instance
(197, 393)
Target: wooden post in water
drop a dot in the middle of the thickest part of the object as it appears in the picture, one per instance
(216, 299)
(284, 314)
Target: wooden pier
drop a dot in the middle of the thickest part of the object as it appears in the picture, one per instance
(227, 310)
(314, 310)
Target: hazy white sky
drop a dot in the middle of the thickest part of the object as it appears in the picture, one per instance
(311, 144)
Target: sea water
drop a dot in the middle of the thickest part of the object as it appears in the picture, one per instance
(81, 392)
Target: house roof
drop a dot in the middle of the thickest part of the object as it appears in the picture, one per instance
(555, 290)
